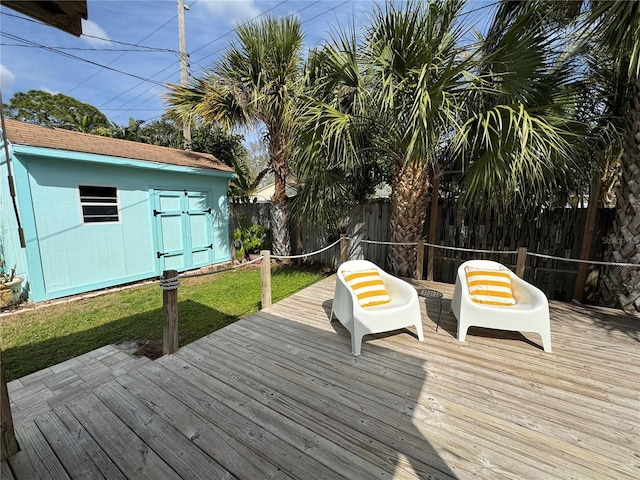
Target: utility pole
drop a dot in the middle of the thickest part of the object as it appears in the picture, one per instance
(186, 127)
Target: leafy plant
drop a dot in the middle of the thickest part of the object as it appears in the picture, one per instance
(250, 239)
(7, 277)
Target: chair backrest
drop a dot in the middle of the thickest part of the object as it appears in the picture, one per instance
(353, 265)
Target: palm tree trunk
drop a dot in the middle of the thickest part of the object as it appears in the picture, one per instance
(279, 212)
(621, 285)
(409, 202)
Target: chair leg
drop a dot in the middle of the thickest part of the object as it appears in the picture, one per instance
(462, 331)
(356, 339)
(356, 344)
(419, 331)
(331, 316)
(546, 340)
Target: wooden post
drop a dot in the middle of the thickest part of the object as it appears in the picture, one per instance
(587, 238)
(265, 278)
(420, 259)
(433, 221)
(344, 248)
(170, 315)
(9, 445)
(299, 243)
(521, 262)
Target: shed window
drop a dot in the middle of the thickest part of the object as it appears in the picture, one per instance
(99, 204)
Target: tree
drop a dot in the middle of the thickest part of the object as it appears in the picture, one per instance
(610, 43)
(391, 97)
(133, 131)
(255, 82)
(55, 110)
(519, 140)
(615, 26)
(411, 92)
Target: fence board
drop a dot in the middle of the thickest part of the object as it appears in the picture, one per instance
(555, 232)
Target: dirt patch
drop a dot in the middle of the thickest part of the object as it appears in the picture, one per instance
(151, 349)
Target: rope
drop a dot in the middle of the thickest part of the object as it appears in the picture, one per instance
(460, 249)
(305, 255)
(173, 283)
(170, 283)
(591, 262)
(232, 267)
(504, 252)
(383, 243)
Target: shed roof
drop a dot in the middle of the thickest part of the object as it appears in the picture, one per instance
(21, 133)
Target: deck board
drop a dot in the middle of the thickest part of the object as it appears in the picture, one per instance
(279, 395)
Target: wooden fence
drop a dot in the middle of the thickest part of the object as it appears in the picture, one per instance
(555, 232)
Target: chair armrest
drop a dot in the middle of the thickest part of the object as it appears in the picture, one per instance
(398, 289)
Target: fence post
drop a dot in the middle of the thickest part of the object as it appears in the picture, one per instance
(420, 259)
(587, 238)
(433, 221)
(521, 262)
(9, 443)
(344, 248)
(170, 314)
(265, 278)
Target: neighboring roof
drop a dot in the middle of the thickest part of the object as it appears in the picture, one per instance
(66, 15)
(265, 193)
(21, 133)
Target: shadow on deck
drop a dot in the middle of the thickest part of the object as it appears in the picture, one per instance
(279, 395)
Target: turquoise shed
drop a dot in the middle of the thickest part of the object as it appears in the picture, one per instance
(98, 212)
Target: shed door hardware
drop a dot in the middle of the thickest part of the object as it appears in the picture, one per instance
(159, 254)
(210, 246)
(156, 212)
(208, 210)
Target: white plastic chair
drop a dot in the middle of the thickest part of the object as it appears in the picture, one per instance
(529, 314)
(402, 311)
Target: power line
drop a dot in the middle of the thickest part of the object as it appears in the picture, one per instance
(248, 21)
(121, 55)
(127, 109)
(86, 49)
(75, 57)
(325, 12)
(137, 85)
(219, 50)
(110, 40)
(198, 49)
(231, 31)
(158, 73)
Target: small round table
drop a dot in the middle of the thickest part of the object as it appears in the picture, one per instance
(430, 293)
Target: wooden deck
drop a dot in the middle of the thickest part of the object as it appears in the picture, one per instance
(279, 395)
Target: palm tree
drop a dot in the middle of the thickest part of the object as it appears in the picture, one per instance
(616, 28)
(394, 97)
(411, 93)
(518, 143)
(255, 82)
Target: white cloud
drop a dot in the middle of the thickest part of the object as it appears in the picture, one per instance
(6, 77)
(95, 30)
(48, 90)
(233, 11)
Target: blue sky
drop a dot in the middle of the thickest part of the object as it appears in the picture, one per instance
(149, 23)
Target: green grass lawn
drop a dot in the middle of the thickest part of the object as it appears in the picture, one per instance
(37, 339)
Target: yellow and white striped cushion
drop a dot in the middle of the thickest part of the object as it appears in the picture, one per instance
(368, 287)
(490, 287)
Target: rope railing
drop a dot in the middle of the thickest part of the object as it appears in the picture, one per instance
(305, 255)
(170, 280)
(500, 252)
(221, 270)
